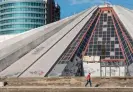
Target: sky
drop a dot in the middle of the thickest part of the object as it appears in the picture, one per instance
(70, 7)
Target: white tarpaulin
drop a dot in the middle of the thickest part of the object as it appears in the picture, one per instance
(94, 69)
(113, 71)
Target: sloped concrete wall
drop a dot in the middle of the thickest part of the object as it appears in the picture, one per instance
(13, 49)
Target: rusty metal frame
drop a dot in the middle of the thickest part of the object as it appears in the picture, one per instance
(124, 35)
(91, 35)
(84, 34)
(107, 60)
(118, 37)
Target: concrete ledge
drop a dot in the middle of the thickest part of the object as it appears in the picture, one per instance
(62, 89)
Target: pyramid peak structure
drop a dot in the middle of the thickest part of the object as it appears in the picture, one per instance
(98, 40)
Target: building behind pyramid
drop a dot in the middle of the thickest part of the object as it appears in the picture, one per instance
(98, 40)
(18, 16)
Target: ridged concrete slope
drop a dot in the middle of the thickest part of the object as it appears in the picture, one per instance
(27, 50)
(65, 37)
(13, 49)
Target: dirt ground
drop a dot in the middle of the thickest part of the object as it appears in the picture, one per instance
(69, 82)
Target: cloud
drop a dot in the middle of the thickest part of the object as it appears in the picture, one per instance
(74, 2)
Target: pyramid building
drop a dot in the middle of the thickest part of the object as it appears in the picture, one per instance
(98, 40)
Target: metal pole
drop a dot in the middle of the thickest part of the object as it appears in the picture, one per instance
(110, 71)
(100, 68)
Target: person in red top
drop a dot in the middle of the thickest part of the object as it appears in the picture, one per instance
(88, 78)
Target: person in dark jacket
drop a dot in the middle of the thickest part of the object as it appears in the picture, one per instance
(88, 78)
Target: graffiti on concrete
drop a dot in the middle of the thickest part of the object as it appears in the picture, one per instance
(113, 72)
(37, 50)
(13, 74)
(36, 73)
(91, 70)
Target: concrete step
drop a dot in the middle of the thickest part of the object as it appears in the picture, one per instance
(62, 89)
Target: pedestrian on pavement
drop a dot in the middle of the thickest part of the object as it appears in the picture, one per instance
(88, 78)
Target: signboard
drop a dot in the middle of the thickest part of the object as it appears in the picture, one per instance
(91, 58)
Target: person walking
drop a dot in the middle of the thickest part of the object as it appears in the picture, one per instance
(88, 78)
